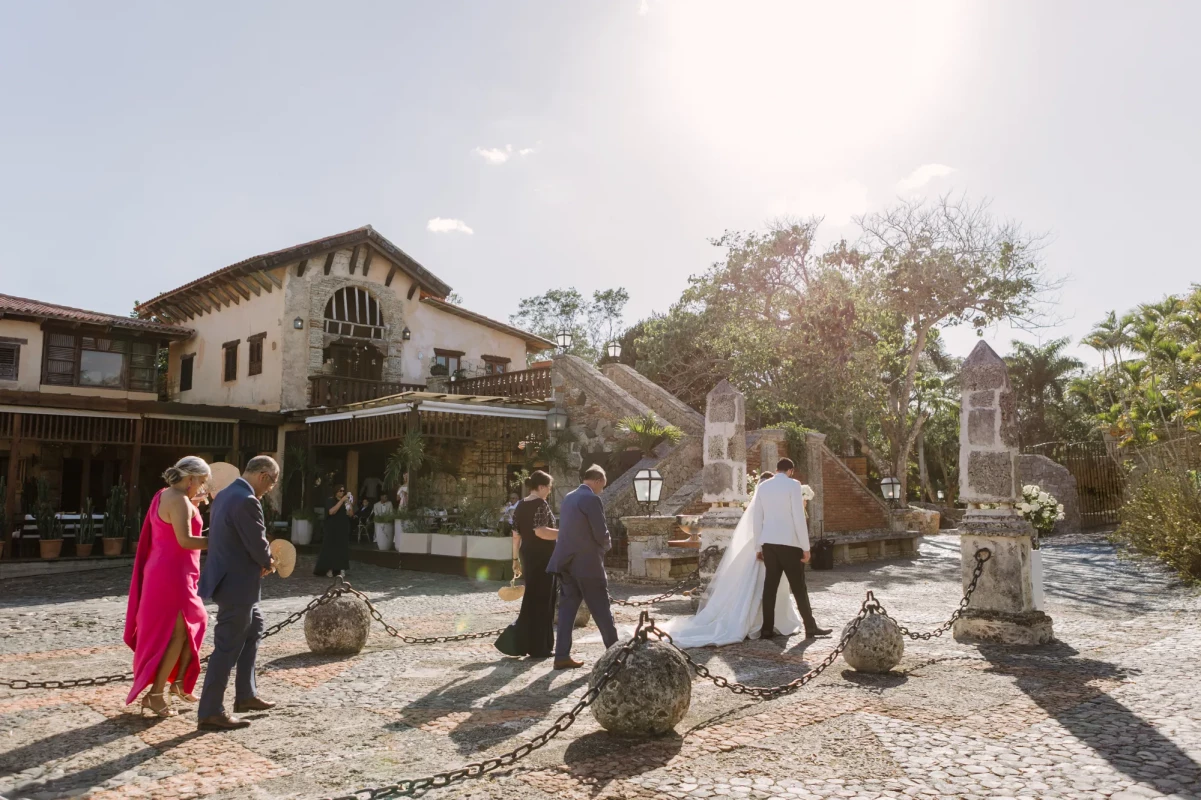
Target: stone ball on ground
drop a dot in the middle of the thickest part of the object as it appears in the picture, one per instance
(648, 696)
(876, 647)
(339, 627)
(582, 617)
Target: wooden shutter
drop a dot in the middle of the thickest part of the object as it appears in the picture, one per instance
(10, 358)
(61, 359)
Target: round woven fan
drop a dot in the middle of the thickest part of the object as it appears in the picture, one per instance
(284, 553)
(512, 591)
(223, 475)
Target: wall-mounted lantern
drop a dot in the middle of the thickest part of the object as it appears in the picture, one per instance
(406, 334)
(556, 420)
(298, 323)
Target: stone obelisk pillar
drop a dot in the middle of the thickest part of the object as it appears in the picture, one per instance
(1002, 608)
(724, 477)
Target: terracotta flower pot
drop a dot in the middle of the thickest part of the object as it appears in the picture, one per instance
(49, 549)
(83, 550)
(113, 547)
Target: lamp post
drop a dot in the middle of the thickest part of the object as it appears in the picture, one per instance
(556, 420)
(890, 487)
(648, 487)
(563, 339)
(614, 349)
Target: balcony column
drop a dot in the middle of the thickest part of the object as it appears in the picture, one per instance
(135, 469)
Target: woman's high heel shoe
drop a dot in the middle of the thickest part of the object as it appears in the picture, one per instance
(187, 697)
(160, 709)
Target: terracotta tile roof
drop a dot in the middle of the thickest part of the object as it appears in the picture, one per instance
(533, 342)
(24, 307)
(265, 261)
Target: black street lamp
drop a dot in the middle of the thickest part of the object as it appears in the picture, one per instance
(556, 420)
(890, 487)
(648, 487)
(564, 339)
(614, 349)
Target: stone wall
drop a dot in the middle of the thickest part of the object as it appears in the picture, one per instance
(663, 402)
(1055, 479)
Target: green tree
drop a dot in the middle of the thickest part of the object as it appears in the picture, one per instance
(592, 323)
(1041, 375)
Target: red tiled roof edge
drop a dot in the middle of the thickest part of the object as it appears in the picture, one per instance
(24, 306)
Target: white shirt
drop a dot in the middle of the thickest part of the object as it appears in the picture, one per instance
(778, 511)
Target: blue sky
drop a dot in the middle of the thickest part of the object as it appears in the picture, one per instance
(585, 143)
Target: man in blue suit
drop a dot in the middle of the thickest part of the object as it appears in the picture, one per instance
(579, 561)
(238, 558)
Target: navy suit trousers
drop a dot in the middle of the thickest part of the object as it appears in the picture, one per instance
(593, 592)
(235, 643)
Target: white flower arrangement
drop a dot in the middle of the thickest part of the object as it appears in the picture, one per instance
(807, 492)
(1040, 508)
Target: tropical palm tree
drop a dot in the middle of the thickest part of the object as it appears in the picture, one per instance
(1041, 375)
(646, 431)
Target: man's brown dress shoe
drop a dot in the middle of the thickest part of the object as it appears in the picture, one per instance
(222, 722)
(568, 663)
(253, 704)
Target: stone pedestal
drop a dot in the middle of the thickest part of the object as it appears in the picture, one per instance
(648, 696)
(646, 536)
(1002, 609)
(717, 528)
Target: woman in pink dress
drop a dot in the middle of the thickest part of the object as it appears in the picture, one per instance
(165, 620)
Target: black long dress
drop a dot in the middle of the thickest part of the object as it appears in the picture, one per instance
(532, 634)
(335, 546)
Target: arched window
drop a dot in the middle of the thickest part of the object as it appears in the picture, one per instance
(354, 312)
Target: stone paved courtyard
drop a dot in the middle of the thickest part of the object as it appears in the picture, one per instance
(1112, 710)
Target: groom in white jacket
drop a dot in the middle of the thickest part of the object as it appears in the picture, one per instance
(782, 544)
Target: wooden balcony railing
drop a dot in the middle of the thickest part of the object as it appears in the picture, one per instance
(334, 390)
(526, 384)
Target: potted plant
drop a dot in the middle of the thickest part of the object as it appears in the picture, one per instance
(384, 525)
(448, 541)
(1041, 510)
(302, 525)
(411, 532)
(645, 432)
(113, 532)
(408, 457)
(85, 534)
(485, 538)
(50, 527)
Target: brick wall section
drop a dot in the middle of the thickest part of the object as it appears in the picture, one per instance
(849, 505)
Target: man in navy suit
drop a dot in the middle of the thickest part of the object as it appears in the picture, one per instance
(579, 561)
(238, 558)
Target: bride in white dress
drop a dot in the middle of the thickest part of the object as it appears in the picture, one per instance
(732, 609)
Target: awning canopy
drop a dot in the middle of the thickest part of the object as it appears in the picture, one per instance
(475, 405)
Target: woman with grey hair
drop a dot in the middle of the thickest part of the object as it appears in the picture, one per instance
(165, 618)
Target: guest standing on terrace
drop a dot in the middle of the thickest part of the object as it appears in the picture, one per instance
(165, 618)
(334, 558)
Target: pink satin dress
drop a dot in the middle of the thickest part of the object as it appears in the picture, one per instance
(163, 587)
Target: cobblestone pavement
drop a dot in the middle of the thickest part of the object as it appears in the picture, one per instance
(1111, 710)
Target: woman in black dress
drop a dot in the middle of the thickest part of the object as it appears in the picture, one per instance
(535, 534)
(334, 558)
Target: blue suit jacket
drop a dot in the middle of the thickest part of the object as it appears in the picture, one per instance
(583, 536)
(238, 550)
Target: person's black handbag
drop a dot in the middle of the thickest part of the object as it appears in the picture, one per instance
(821, 556)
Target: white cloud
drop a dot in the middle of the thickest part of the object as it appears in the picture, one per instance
(495, 155)
(499, 155)
(440, 225)
(923, 175)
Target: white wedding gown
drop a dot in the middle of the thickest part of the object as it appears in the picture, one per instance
(733, 607)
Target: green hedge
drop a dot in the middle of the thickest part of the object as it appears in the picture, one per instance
(1163, 519)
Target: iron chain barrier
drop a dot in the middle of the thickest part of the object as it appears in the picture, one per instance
(690, 578)
(411, 786)
(982, 557)
(394, 632)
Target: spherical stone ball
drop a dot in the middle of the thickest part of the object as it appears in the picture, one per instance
(876, 647)
(582, 617)
(648, 696)
(339, 627)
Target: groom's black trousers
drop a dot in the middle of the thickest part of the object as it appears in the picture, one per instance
(780, 559)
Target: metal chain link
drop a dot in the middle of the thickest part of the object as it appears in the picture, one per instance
(869, 606)
(692, 577)
(124, 677)
(982, 557)
(411, 786)
(393, 631)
